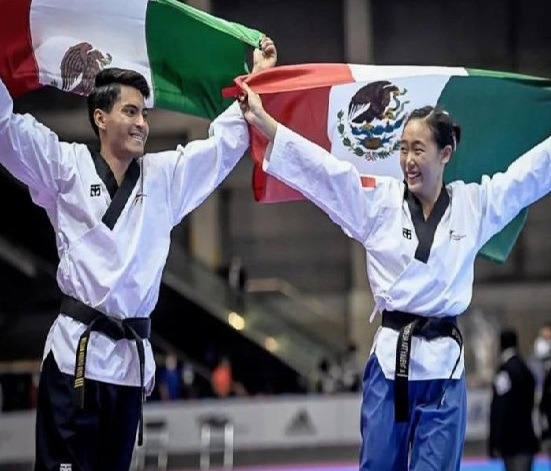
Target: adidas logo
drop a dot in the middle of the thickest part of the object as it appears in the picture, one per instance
(301, 424)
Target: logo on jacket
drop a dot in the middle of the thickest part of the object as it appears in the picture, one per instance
(375, 114)
(79, 67)
(65, 467)
(454, 235)
(95, 189)
(406, 233)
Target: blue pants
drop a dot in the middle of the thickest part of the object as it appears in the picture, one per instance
(432, 440)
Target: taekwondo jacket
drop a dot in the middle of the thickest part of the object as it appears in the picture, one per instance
(432, 278)
(117, 271)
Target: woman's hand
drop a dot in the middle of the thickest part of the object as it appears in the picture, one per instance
(255, 114)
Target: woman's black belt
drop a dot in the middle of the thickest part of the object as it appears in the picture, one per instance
(408, 325)
(137, 328)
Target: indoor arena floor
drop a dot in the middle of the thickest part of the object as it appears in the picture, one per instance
(541, 464)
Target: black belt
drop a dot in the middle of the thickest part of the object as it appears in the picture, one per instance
(409, 325)
(138, 329)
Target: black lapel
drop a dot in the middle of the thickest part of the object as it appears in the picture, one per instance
(425, 229)
(105, 173)
(122, 195)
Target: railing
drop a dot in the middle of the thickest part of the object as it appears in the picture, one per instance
(271, 313)
(299, 309)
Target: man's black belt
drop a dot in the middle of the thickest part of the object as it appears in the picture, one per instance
(137, 328)
(408, 325)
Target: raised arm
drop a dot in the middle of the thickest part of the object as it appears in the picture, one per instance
(350, 199)
(505, 194)
(29, 151)
(203, 164)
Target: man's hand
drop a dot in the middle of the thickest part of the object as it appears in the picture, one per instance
(264, 56)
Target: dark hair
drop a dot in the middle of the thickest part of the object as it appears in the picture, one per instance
(107, 90)
(444, 130)
(508, 339)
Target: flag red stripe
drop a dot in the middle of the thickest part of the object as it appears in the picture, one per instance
(367, 182)
(268, 189)
(292, 78)
(298, 97)
(18, 67)
(303, 111)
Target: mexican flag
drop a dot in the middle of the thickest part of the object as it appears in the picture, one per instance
(357, 112)
(186, 55)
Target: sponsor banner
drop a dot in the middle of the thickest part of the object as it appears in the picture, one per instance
(277, 422)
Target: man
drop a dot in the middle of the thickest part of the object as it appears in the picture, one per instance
(542, 354)
(112, 212)
(512, 433)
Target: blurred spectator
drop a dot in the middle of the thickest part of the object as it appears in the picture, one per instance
(33, 394)
(190, 389)
(512, 435)
(545, 410)
(170, 379)
(328, 377)
(542, 352)
(540, 361)
(223, 383)
(237, 275)
(351, 370)
(222, 378)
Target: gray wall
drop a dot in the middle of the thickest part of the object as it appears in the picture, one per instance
(295, 241)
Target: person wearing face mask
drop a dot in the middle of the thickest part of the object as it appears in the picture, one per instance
(421, 238)
(540, 359)
(542, 354)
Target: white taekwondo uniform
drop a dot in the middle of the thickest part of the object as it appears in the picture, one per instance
(117, 271)
(375, 211)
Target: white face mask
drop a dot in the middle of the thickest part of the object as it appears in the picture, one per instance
(542, 348)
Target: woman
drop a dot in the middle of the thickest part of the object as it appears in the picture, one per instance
(421, 240)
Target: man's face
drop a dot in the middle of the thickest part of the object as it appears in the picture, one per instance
(124, 129)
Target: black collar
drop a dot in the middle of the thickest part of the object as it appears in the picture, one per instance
(425, 229)
(119, 195)
(105, 173)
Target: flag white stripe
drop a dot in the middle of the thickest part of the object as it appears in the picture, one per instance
(114, 27)
(415, 92)
(369, 73)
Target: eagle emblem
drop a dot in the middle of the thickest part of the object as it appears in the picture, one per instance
(79, 67)
(375, 113)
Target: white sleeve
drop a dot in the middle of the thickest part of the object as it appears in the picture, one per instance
(29, 151)
(351, 200)
(505, 194)
(201, 165)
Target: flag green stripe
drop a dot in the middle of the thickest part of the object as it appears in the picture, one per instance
(521, 78)
(193, 56)
(500, 120)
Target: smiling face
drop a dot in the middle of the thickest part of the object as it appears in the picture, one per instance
(422, 161)
(123, 130)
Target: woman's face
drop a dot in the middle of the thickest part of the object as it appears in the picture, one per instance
(421, 161)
